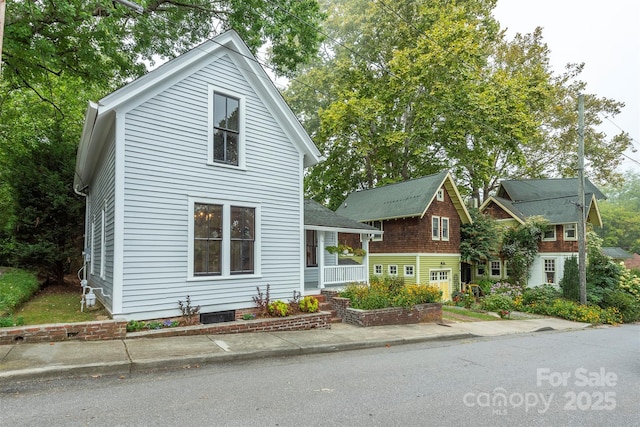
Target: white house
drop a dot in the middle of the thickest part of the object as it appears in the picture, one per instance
(193, 176)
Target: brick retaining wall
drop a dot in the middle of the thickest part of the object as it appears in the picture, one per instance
(420, 313)
(84, 331)
(117, 329)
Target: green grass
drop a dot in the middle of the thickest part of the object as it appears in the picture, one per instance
(467, 313)
(56, 308)
(16, 287)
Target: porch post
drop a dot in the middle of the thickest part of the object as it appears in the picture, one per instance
(320, 259)
(365, 258)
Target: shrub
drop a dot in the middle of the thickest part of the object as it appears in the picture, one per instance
(308, 304)
(570, 282)
(506, 288)
(387, 293)
(630, 282)
(262, 300)
(544, 294)
(626, 304)
(191, 314)
(497, 302)
(16, 287)
(9, 321)
(278, 308)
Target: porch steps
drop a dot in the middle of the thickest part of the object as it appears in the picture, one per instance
(324, 305)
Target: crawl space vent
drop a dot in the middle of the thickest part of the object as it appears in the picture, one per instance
(218, 317)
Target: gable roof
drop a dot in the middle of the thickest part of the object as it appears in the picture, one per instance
(556, 210)
(616, 253)
(318, 217)
(538, 189)
(100, 116)
(401, 200)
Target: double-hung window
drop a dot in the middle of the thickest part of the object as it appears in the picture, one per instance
(550, 270)
(224, 239)
(435, 228)
(226, 129)
(312, 248)
(570, 232)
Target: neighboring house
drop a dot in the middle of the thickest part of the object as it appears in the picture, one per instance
(618, 255)
(421, 221)
(556, 201)
(324, 269)
(193, 176)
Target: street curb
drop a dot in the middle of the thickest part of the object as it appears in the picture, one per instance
(149, 365)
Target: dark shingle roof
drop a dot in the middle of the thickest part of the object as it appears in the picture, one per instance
(538, 189)
(317, 215)
(616, 253)
(400, 200)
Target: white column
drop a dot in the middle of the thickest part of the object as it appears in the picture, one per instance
(321, 259)
(365, 260)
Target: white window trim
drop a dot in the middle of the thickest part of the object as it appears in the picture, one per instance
(375, 267)
(555, 270)
(376, 237)
(575, 230)
(412, 268)
(435, 219)
(389, 270)
(102, 245)
(477, 269)
(442, 221)
(226, 240)
(491, 268)
(440, 195)
(550, 239)
(241, 129)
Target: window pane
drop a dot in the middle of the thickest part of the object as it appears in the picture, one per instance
(445, 228)
(219, 111)
(232, 149)
(233, 114)
(435, 227)
(219, 146)
(207, 220)
(242, 239)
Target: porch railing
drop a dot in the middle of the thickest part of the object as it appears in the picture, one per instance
(345, 274)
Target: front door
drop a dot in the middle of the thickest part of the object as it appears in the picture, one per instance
(442, 280)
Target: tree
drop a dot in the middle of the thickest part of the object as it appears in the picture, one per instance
(621, 222)
(409, 88)
(520, 247)
(480, 239)
(570, 282)
(57, 55)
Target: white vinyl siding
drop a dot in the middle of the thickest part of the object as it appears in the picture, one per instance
(167, 166)
(103, 250)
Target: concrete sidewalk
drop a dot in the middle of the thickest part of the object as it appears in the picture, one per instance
(120, 357)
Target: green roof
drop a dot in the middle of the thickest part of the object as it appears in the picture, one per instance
(539, 189)
(319, 216)
(615, 253)
(401, 200)
(557, 210)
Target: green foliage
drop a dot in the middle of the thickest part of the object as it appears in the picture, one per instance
(9, 321)
(506, 288)
(570, 282)
(625, 303)
(308, 304)
(540, 295)
(497, 302)
(603, 275)
(620, 219)
(383, 294)
(574, 311)
(479, 239)
(190, 313)
(262, 300)
(135, 325)
(520, 247)
(630, 282)
(16, 287)
(278, 308)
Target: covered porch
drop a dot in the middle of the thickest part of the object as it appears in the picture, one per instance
(329, 264)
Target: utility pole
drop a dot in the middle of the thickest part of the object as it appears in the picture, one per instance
(582, 270)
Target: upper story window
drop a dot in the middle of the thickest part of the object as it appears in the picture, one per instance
(226, 129)
(435, 228)
(550, 234)
(440, 195)
(444, 229)
(570, 232)
(378, 225)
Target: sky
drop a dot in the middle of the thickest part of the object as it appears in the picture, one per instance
(605, 35)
